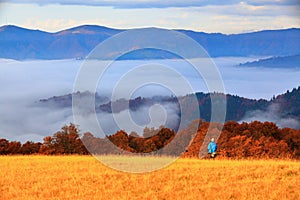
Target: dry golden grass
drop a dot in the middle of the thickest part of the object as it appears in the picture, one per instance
(83, 177)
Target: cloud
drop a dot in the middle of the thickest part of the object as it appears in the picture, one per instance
(24, 83)
(272, 114)
(165, 114)
(249, 10)
(157, 3)
(241, 16)
(23, 121)
(54, 25)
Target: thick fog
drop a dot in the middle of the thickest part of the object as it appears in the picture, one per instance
(23, 84)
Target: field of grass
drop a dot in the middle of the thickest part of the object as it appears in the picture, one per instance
(84, 177)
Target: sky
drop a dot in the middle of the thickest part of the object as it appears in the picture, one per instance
(230, 16)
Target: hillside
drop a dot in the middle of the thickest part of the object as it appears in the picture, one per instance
(275, 62)
(289, 103)
(64, 101)
(20, 43)
(285, 106)
(237, 106)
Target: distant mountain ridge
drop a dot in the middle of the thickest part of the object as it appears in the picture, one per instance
(20, 43)
(276, 62)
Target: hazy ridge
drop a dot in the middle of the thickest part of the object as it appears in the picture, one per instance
(20, 43)
(275, 62)
(285, 106)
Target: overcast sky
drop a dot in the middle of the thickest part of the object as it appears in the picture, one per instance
(230, 16)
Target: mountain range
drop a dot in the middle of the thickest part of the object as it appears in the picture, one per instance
(21, 44)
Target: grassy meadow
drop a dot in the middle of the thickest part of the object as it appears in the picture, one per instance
(84, 177)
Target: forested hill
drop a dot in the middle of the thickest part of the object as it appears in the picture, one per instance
(286, 105)
(289, 103)
(21, 43)
(276, 62)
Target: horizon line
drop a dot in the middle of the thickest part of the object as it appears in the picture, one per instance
(125, 29)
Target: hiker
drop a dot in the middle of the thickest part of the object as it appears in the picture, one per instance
(212, 148)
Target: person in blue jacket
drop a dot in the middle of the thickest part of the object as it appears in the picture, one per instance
(212, 148)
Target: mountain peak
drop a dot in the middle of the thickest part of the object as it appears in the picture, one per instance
(87, 30)
(11, 28)
(18, 30)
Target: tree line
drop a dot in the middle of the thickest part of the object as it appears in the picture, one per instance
(237, 140)
(248, 140)
(66, 141)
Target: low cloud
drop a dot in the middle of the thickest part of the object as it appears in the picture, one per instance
(272, 114)
(33, 121)
(22, 84)
(147, 116)
(23, 121)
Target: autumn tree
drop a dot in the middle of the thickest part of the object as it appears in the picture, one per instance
(66, 141)
(3, 146)
(7, 147)
(48, 146)
(30, 147)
